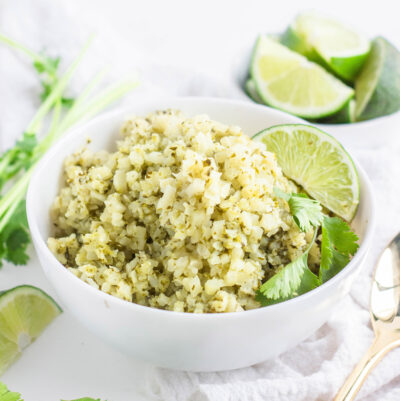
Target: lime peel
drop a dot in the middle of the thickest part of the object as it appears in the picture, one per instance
(318, 163)
(288, 81)
(378, 84)
(330, 43)
(25, 311)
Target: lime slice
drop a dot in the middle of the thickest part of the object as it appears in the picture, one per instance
(378, 85)
(317, 162)
(328, 42)
(25, 311)
(288, 81)
(251, 90)
(344, 116)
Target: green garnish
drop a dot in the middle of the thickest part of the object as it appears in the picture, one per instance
(14, 237)
(84, 399)
(17, 158)
(294, 279)
(306, 212)
(19, 162)
(338, 244)
(7, 395)
(46, 67)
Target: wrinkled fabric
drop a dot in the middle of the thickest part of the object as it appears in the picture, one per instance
(315, 369)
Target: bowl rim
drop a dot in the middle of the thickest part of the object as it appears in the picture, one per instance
(76, 131)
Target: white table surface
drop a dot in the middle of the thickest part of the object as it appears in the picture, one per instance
(204, 38)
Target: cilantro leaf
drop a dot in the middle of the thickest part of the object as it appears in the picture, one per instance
(67, 101)
(306, 212)
(46, 64)
(341, 235)
(292, 280)
(84, 399)
(27, 143)
(338, 244)
(48, 88)
(17, 158)
(14, 237)
(7, 395)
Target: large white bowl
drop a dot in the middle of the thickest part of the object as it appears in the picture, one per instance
(196, 342)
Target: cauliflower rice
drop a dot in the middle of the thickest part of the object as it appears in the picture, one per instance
(182, 216)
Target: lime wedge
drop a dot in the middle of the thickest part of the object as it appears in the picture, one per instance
(288, 81)
(378, 85)
(251, 90)
(344, 116)
(25, 311)
(331, 44)
(317, 162)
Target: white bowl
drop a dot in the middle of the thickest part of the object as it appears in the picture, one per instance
(196, 342)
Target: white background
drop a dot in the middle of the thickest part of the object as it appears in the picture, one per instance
(177, 46)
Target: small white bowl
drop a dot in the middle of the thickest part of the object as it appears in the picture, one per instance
(375, 133)
(195, 342)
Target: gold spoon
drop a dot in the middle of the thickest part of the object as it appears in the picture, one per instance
(385, 318)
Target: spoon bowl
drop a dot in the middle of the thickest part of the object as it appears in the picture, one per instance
(385, 318)
(385, 293)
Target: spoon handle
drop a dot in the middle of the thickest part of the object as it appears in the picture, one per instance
(378, 349)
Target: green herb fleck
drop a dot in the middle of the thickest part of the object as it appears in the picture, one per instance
(7, 395)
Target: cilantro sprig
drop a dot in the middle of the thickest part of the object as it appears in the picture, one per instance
(18, 163)
(47, 68)
(338, 244)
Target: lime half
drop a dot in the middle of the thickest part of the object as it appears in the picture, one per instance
(25, 311)
(328, 42)
(317, 162)
(288, 81)
(378, 85)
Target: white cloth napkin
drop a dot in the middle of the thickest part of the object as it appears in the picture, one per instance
(316, 368)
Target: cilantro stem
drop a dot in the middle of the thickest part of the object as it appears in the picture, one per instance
(57, 91)
(97, 104)
(8, 215)
(6, 159)
(56, 116)
(14, 194)
(50, 137)
(34, 56)
(313, 240)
